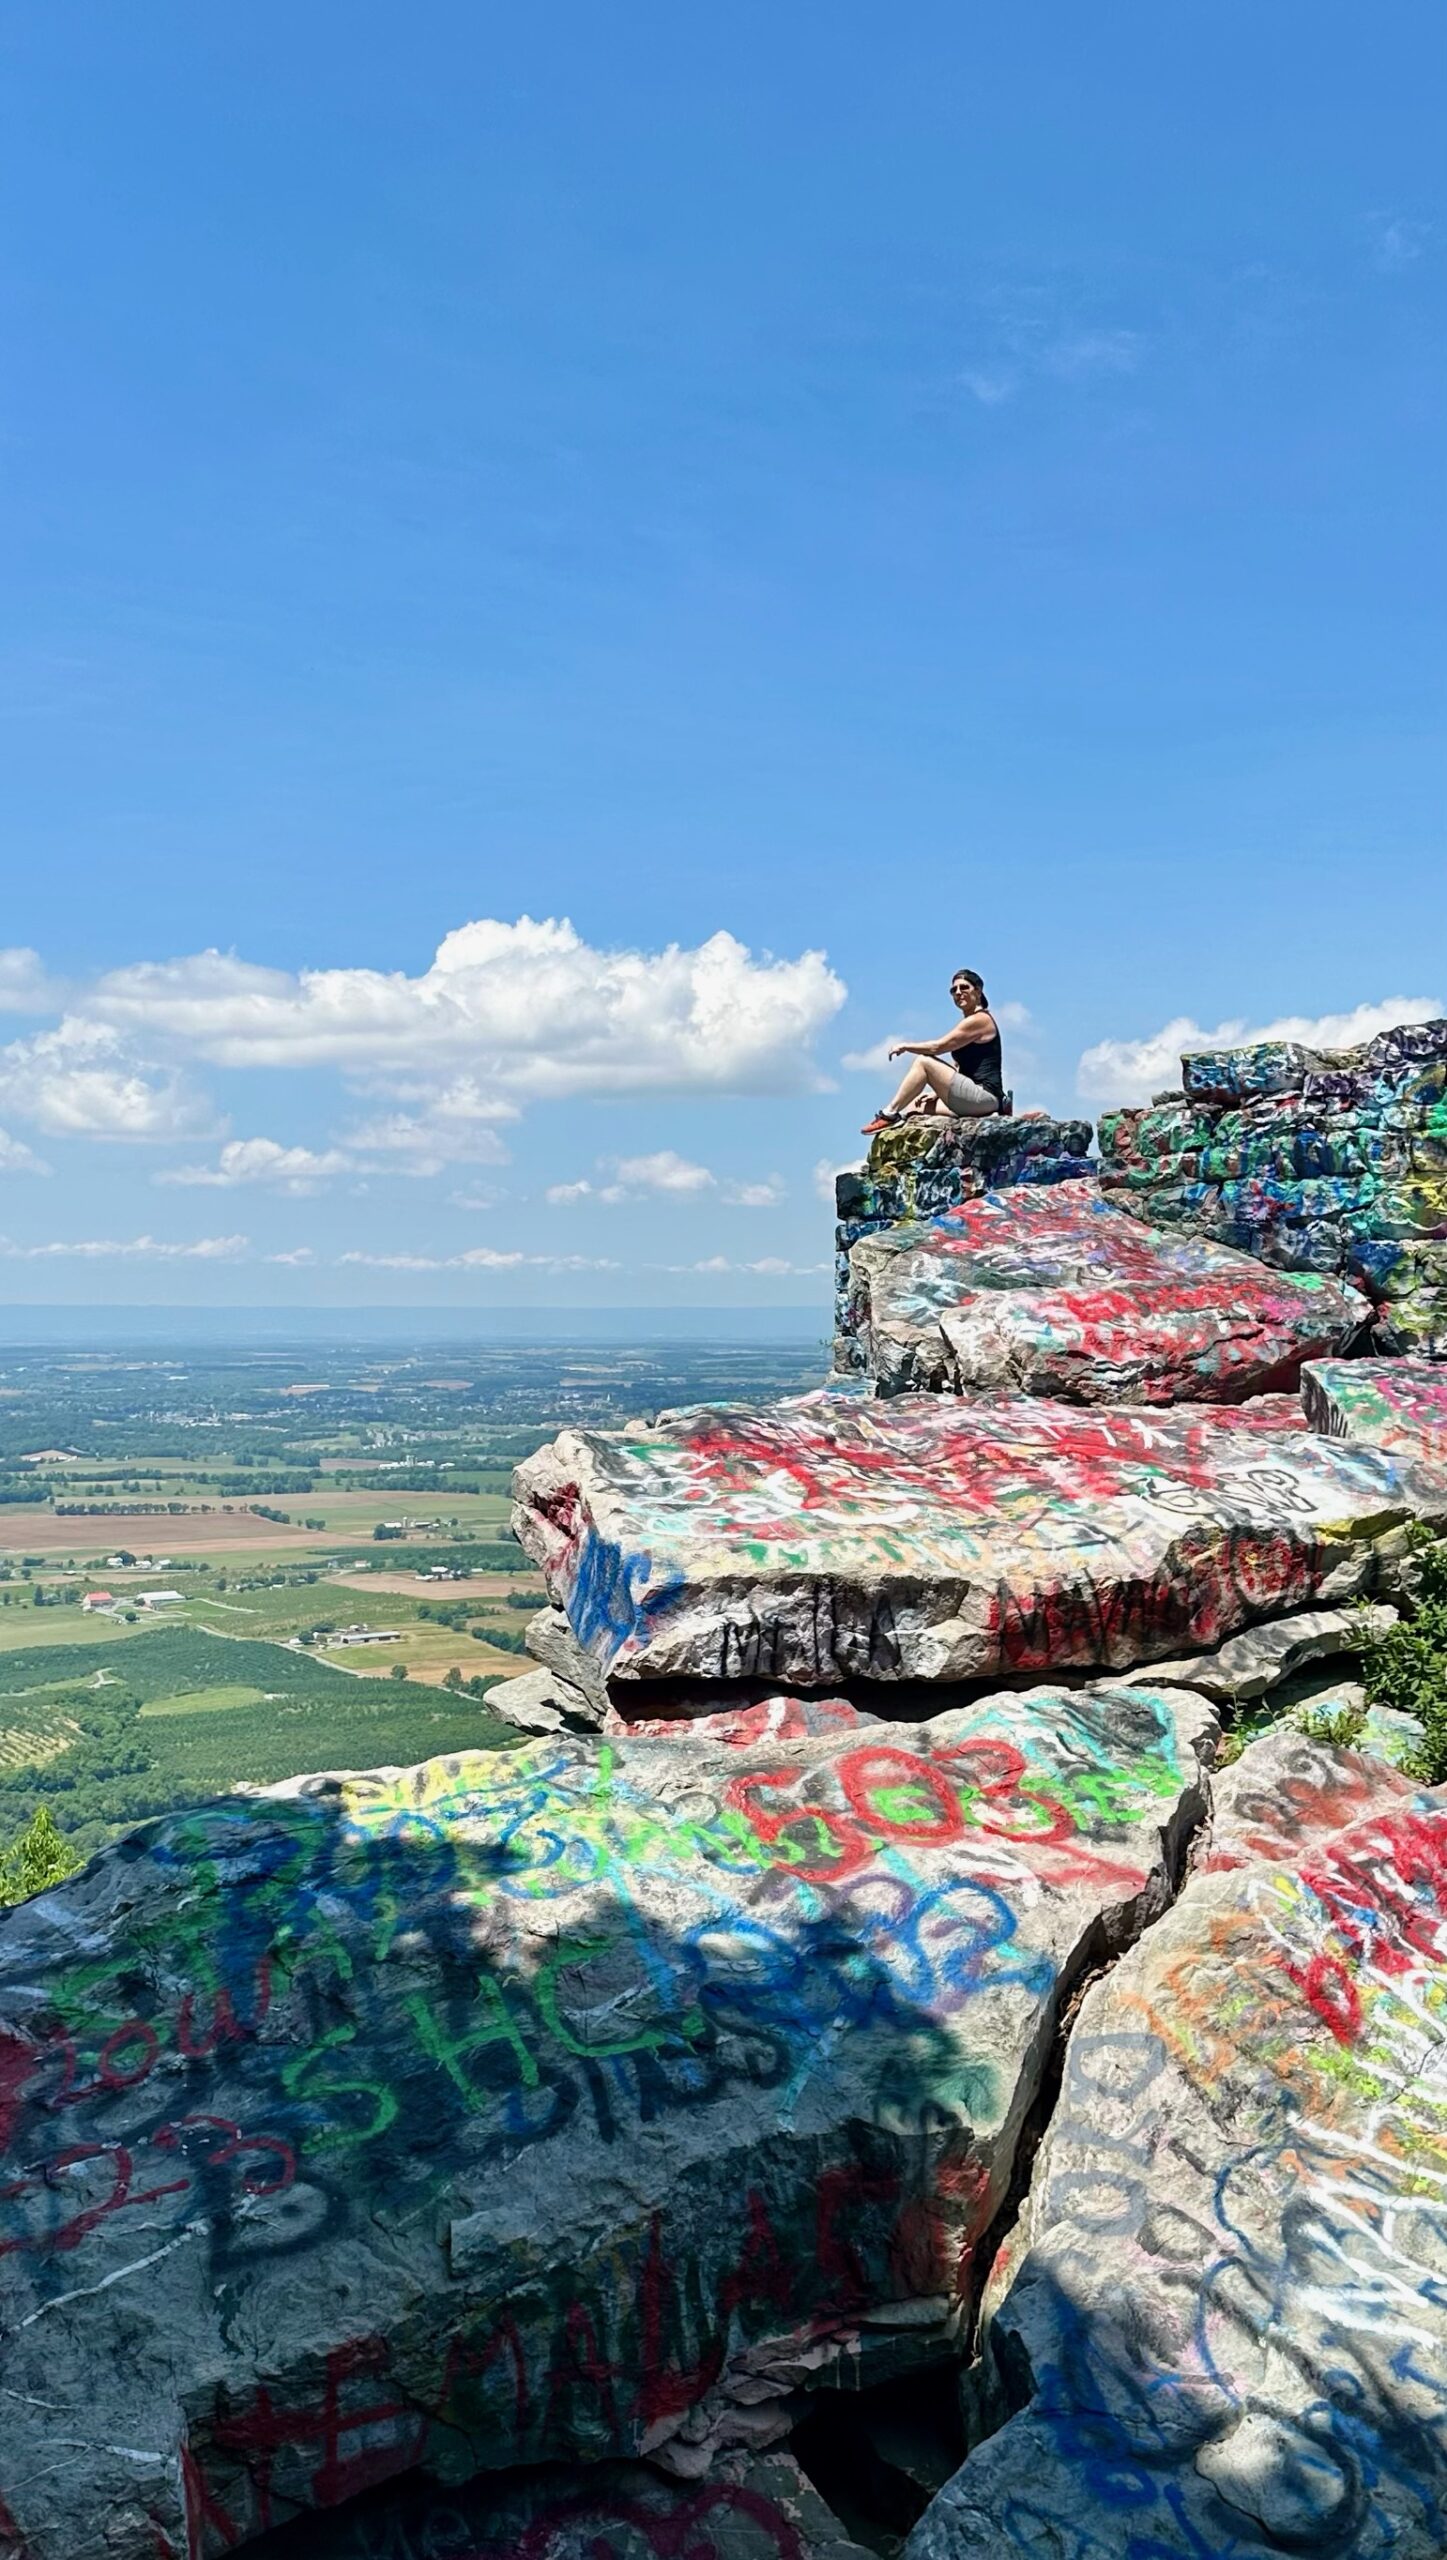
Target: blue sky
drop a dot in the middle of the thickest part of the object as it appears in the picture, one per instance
(915, 487)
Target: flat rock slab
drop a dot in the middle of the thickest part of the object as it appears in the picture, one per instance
(560, 2104)
(1220, 2330)
(764, 2509)
(1260, 1658)
(1388, 1404)
(1059, 1293)
(925, 1538)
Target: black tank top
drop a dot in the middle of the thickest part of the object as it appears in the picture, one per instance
(983, 1061)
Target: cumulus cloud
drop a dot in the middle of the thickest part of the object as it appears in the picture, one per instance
(298, 1259)
(756, 1195)
(16, 1157)
(527, 1010)
(664, 1175)
(1122, 1071)
(81, 1080)
(296, 1169)
(128, 1249)
(478, 1257)
(25, 984)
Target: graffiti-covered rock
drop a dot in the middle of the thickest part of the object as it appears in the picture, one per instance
(1330, 1161)
(1059, 1293)
(1221, 2326)
(922, 1166)
(1247, 1666)
(1389, 1404)
(570, 2103)
(759, 2509)
(930, 1539)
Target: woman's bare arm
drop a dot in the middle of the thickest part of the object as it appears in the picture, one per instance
(973, 1027)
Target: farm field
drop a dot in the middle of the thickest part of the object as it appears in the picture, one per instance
(106, 1719)
(27, 1532)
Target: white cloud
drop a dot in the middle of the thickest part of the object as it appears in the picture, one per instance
(1030, 333)
(130, 1249)
(667, 1171)
(825, 1176)
(1078, 354)
(1398, 240)
(1121, 1071)
(16, 1157)
(296, 1169)
(80, 1081)
(478, 1257)
(298, 1258)
(665, 1175)
(770, 1266)
(24, 985)
(991, 384)
(875, 1061)
(525, 1009)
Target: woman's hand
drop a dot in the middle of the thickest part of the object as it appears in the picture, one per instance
(905, 1049)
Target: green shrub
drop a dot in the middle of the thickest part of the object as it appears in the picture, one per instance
(1407, 1667)
(36, 1860)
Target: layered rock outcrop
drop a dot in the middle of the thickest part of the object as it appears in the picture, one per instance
(1058, 1293)
(1221, 2326)
(927, 1539)
(1329, 1161)
(927, 1165)
(575, 2103)
(1386, 1404)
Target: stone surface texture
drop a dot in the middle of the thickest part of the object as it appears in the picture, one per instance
(1059, 1293)
(1257, 1661)
(933, 1539)
(927, 1165)
(1220, 2330)
(563, 2104)
(747, 2509)
(1388, 1404)
(1333, 1162)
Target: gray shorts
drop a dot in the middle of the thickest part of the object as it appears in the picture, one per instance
(968, 1100)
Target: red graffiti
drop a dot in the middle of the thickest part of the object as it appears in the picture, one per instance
(69, 2234)
(1327, 1984)
(685, 2530)
(344, 2431)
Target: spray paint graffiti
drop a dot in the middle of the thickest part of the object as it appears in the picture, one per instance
(1230, 2282)
(925, 1538)
(758, 2510)
(1059, 1293)
(1389, 1404)
(1330, 1162)
(926, 1166)
(513, 2098)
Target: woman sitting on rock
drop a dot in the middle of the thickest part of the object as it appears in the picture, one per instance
(964, 1070)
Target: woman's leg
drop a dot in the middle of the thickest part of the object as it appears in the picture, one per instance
(926, 1075)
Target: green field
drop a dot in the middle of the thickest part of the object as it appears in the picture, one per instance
(195, 1714)
(261, 1474)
